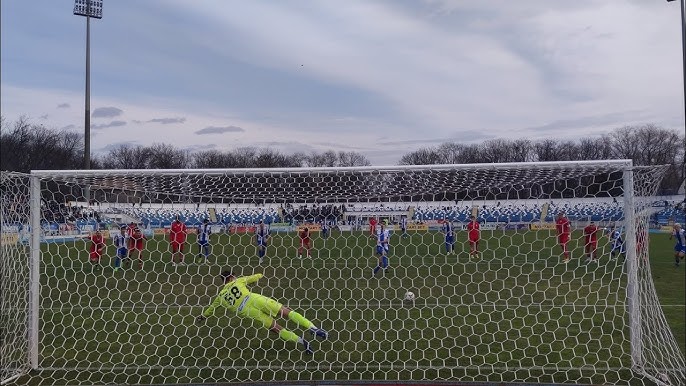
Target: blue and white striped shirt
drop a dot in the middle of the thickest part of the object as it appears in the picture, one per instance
(204, 232)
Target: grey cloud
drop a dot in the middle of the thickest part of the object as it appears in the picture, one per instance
(68, 127)
(462, 136)
(166, 121)
(63, 106)
(194, 148)
(286, 147)
(618, 118)
(136, 121)
(413, 141)
(115, 145)
(108, 125)
(219, 130)
(106, 112)
(44, 116)
(340, 146)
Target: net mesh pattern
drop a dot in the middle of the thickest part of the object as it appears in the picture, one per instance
(513, 312)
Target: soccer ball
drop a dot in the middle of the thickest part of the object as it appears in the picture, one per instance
(409, 296)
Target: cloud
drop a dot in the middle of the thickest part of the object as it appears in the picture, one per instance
(63, 106)
(106, 112)
(287, 147)
(194, 148)
(44, 117)
(115, 145)
(166, 121)
(68, 127)
(591, 121)
(108, 125)
(219, 130)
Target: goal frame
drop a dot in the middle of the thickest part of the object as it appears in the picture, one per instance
(632, 289)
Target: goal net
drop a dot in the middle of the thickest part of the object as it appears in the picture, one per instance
(505, 308)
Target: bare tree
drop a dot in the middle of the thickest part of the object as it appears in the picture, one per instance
(165, 156)
(209, 159)
(351, 158)
(25, 146)
(243, 157)
(451, 152)
(549, 150)
(624, 143)
(327, 159)
(127, 157)
(495, 150)
(269, 158)
(423, 156)
(520, 151)
(594, 148)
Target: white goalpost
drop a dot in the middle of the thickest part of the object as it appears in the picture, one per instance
(506, 309)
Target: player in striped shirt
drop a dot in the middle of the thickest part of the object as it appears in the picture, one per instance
(617, 243)
(449, 237)
(325, 229)
(120, 241)
(680, 247)
(236, 297)
(204, 231)
(261, 238)
(403, 226)
(382, 239)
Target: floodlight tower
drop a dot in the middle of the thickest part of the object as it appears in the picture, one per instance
(88, 8)
(683, 66)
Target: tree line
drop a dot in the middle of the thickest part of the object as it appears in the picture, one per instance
(26, 146)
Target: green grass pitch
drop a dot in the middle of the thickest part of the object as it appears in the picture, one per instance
(500, 317)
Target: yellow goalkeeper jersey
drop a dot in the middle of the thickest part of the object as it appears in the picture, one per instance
(233, 296)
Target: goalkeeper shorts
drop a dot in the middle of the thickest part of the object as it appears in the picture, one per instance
(261, 309)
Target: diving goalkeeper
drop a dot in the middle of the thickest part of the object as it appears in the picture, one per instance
(237, 297)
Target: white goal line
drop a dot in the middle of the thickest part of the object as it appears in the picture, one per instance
(374, 305)
(321, 366)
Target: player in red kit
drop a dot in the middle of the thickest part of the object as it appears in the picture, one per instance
(473, 234)
(591, 242)
(136, 241)
(372, 227)
(177, 238)
(563, 234)
(96, 248)
(129, 233)
(304, 242)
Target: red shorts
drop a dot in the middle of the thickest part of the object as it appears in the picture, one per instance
(177, 246)
(473, 238)
(95, 256)
(137, 245)
(591, 247)
(305, 243)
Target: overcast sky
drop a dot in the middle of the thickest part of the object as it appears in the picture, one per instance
(379, 77)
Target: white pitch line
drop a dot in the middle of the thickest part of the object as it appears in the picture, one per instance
(372, 305)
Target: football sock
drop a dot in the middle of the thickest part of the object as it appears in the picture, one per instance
(117, 262)
(300, 320)
(385, 261)
(378, 267)
(289, 336)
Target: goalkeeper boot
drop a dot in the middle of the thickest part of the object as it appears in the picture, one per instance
(306, 346)
(319, 333)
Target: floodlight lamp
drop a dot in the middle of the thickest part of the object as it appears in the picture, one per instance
(90, 8)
